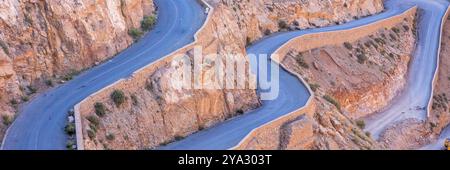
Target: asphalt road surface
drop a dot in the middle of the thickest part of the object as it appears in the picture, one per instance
(293, 94)
(411, 102)
(40, 124)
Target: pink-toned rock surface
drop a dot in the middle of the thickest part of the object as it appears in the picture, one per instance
(43, 41)
(154, 114)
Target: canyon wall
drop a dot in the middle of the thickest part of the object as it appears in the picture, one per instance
(51, 40)
(380, 52)
(413, 134)
(155, 114)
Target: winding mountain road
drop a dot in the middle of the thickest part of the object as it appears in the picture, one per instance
(293, 94)
(40, 124)
(417, 93)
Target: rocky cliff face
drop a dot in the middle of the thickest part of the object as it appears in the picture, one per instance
(413, 134)
(47, 40)
(155, 114)
(256, 18)
(353, 80)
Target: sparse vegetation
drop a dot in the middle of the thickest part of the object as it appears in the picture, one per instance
(70, 75)
(368, 134)
(393, 37)
(134, 100)
(178, 138)
(267, 32)
(91, 134)
(118, 97)
(70, 144)
(31, 89)
(49, 83)
(135, 33)
(6, 120)
(348, 45)
(362, 58)
(25, 98)
(361, 124)
(93, 120)
(4, 47)
(70, 129)
(282, 24)
(110, 136)
(440, 101)
(13, 102)
(301, 61)
(149, 86)
(100, 109)
(332, 101)
(406, 27)
(314, 87)
(148, 22)
(395, 29)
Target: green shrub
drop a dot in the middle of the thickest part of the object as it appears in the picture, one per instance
(25, 98)
(314, 87)
(301, 61)
(31, 89)
(348, 45)
(368, 134)
(282, 24)
(134, 100)
(49, 83)
(332, 101)
(110, 136)
(361, 124)
(91, 134)
(100, 109)
(70, 129)
(148, 22)
(135, 33)
(69, 144)
(69, 76)
(395, 29)
(6, 120)
(178, 138)
(93, 119)
(118, 97)
(149, 86)
(14, 101)
(267, 32)
(4, 47)
(361, 58)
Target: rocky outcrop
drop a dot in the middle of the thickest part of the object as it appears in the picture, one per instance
(154, 114)
(45, 41)
(413, 134)
(354, 79)
(257, 18)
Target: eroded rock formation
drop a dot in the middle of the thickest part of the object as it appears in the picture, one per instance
(353, 80)
(154, 114)
(45, 41)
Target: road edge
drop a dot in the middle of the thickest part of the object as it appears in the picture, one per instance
(278, 60)
(78, 124)
(438, 62)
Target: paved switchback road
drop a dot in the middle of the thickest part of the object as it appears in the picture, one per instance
(293, 94)
(40, 124)
(417, 92)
